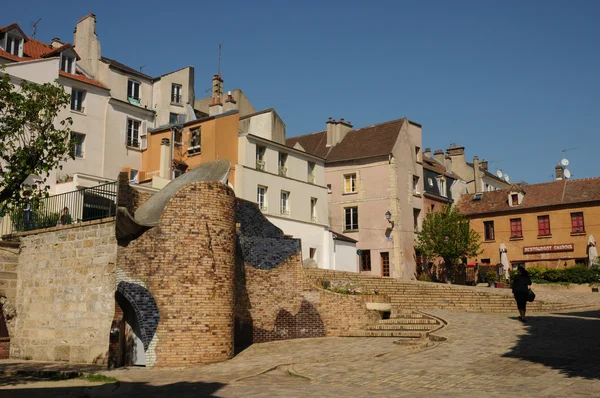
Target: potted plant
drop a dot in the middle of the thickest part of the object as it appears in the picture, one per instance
(491, 278)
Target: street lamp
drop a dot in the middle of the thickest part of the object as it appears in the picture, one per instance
(388, 217)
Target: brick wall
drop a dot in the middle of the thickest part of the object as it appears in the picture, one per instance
(274, 299)
(65, 293)
(187, 263)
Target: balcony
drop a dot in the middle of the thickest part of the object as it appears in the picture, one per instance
(260, 165)
(311, 178)
(283, 171)
(284, 212)
(263, 208)
(133, 142)
(176, 99)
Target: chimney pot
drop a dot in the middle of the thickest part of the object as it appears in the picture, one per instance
(558, 169)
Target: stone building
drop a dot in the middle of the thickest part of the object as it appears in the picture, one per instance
(441, 187)
(179, 278)
(373, 173)
(545, 225)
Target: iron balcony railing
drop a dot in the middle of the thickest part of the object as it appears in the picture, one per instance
(63, 209)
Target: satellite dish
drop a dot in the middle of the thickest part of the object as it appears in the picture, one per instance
(506, 177)
(567, 173)
(564, 162)
(499, 173)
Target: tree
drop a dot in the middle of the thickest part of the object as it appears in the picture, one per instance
(447, 235)
(31, 140)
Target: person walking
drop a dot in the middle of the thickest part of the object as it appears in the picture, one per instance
(520, 289)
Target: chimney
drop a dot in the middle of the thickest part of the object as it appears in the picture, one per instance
(558, 169)
(439, 155)
(484, 165)
(331, 132)
(56, 43)
(457, 154)
(342, 128)
(164, 170)
(217, 88)
(448, 163)
(477, 174)
(230, 103)
(87, 44)
(427, 152)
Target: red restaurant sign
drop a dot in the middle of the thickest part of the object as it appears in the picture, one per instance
(565, 247)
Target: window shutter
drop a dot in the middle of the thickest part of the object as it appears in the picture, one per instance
(143, 135)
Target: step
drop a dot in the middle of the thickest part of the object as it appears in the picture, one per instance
(400, 327)
(385, 333)
(410, 321)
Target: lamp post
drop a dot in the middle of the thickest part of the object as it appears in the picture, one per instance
(388, 217)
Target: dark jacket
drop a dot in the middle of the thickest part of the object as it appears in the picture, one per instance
(521, 283)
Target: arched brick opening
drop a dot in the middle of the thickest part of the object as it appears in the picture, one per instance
(137, 325)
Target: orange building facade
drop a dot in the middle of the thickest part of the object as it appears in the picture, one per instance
(192, 144)
(542, 225)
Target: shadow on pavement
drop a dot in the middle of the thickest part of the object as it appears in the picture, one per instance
(183, 389)
(568, 342)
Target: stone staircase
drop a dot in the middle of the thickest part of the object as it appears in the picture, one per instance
(416, 295)
(410, 327)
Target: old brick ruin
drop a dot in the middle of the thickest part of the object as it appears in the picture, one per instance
(213, 274)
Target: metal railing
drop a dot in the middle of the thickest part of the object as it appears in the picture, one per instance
(62, 209)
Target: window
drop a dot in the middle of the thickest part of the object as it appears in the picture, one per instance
(133, 133)
(177, 172)
(416, 184)
(77, 100)
(577, 225)
(260, 157)
(261, 197)
(385, 264)
(430, 181)
(516, 229)
(195, 142)
(13, 46)
(365, 260)
(313, 209)
(285, 203)
(67, 63)
(313, 252)
(488, 228)
(350, 183)
(173, 118)
(442, 185)
(133, 90)
(311, 172)
(514, 198)
(78, 148)
(176, 93)
(328, 188)
(351, 219)
(543, 225)
(418, 154)
(416, 213)
(282, 164)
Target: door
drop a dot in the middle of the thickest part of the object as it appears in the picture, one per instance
(385, 264)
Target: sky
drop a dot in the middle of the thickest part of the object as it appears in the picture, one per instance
(514, 82)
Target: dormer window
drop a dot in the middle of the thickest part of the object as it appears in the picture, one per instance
(14, 45)
(67, 63)
(515, 196)
(133, 92)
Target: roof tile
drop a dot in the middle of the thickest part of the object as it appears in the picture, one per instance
(554, 193)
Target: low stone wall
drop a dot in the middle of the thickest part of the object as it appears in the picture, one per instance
(65, 293)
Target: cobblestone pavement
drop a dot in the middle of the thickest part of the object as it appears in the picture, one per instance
(553, 355)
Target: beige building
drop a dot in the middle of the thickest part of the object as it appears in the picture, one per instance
(476, 174)
(113, 106)
(373, 173)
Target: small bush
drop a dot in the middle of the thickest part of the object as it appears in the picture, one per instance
(424, 278)
(326, 284)
(97, 378)
(578, 274)
(491, 277)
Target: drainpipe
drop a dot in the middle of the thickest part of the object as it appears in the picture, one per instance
(174, 128)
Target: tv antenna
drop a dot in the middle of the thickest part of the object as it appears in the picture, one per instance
(141, 67)
(219, 65)
(35, 27)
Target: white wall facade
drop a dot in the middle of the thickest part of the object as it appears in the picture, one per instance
(343, 255)
(299, 222)
(161, 88)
